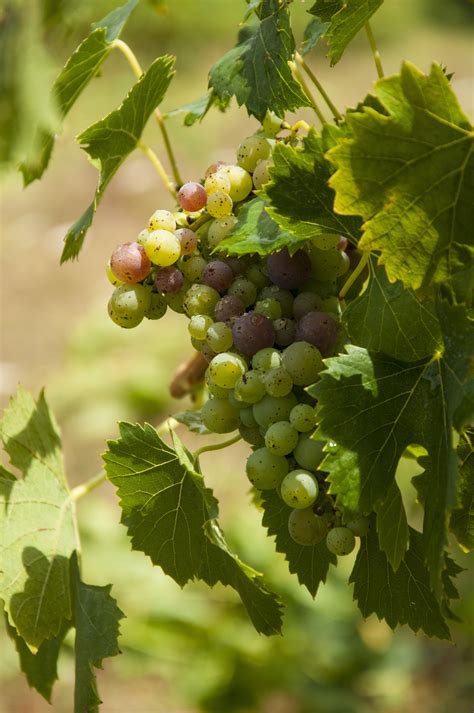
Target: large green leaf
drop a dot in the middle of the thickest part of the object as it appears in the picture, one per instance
(401, 597)
(310, 564)
(109, 141)
(256, 70)
(372, 407)
(171, 517)
(301, 201)
(410, 176)
(37, 533)
(392, 526)
(388, 318)
(344, 18)
(462, 517)
(76, 74)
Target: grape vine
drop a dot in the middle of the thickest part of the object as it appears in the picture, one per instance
(326, 279)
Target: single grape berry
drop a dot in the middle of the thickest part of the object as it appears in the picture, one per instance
(319, 329)
(162, 220)
(277, 382)
(261, 175)
(219, 229)
(359, 526)
(188, 240)
(225, 369)
(218, 274)
(157, 307)
(214, 167)
(228, 307)
(252, 332)
(289, 271)
(252, 150)
(308, 452)
(284, 331)
(200, 299)
(271, 409)
(281, 438)
(299, 489)
(169, 280)
(219, 416)
(219, 337)
(162, 248)
(340, 541)
(219, 204)
(244, 290)
(192, 196)
(128, 304)
(198, 326)
(306, 302)
(303, 418)
(193, 267)
(306, 528)
(129, 263)
(265, 470)
(303, 362)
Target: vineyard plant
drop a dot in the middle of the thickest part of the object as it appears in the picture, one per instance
(325, 279)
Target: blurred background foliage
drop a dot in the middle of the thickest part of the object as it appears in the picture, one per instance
(192, 650)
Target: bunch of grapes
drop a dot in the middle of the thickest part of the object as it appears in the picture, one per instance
(263, 324)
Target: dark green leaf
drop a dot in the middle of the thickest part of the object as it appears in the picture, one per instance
(171, 517)
(96, 618)
(109, 141)
(256, 70)
(193, 420)
(344, 19)
(462, 517)
(195, 110)
(392, 526)
(310, 564)
(301, 201)
(313, 32)
(410, 176)
(78, 71)
(391, 319)
(450, 572)
(401, 597)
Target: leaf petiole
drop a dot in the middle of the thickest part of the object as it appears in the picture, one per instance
(159, 167)
(88, 486)
(299, 59)
(375, 51)
(297, 76)
(355, 274)
(216, 446)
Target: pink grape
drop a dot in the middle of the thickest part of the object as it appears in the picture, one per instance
(188, 240)
(289, 271)
(129, 263)
(192, 196)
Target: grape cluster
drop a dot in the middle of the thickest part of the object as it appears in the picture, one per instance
(263, 324)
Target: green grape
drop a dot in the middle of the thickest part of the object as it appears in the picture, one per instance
(249, 387)
(332, 306)
(244, 290)
(219, 204)
(255, 274)
(281, 438)
(162, 248)
(271, 124)
(143, 236)
(278, 382)
(247, 417)
(306, 528)
(219, 229)
(219, 337)
(252, 435)
(128, 304)
(308, 453)
(216, 182)
(240, 182)
(217, 391)
(322, 289)
(219, 416)
(270, 409)
(266, 359)
(328, 264)
(359, 526)
(181, 219)
(111, 277)
(303, 418)
(193, 267)
(340, 541)
(225, 369)
(284, 297)
(176, 301)
(236, 403)
(299, 489)
(266, 470)
(198, 344)
(326, 241)
(198, 326)
(303, 362)
(200, 299)
(252, 150)
(270, 308)
(261, 175)
(157, 307)
(162, 220)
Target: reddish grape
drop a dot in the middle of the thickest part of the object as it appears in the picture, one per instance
(129, 263)
(238, 265)
(320, 329)
(228, 307)
(192, 196)
(342, 244)
(169, 280)
(289, 271)
(218, 274)
(252, 332)
(188, 240)
(214, 167)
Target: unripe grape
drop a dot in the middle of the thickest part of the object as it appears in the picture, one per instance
(219, 229)
(129, 263)
(299, 488)
(303, 418)
(328, 264)
(198, 326)
(192, 196)
(188, 240)
(277, 382)
(265, 470)
(255, 274)
(181, 219)
(225, 369)
(214, 167)
(252, 150)
(303, 362)
(284, 331)
(251, 435)
(281, 438)
(261, 175)
(359, 526)
(247, 417)
(240, 182)
(340, 541)
(157, 307)
(219, 204)
(306, 302)
(244, 290)
(266, 359)
(193, 268)
(142, 236)
(111, 277)
(162, 248)
(308, 452)
(200, 299)
(270, 308)
(219, 416)
(219, 337)
(128, 304)
(306, 528)
(217, 182)
(249, 388)
(271, 409)
(284, 297)
(162, 220)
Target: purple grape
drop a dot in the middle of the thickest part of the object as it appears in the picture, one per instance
(288, 271)
(169, 280)
(129, 263)
(228, 307)
(238, 265)
(320, 329)
(252, 332)
(284, 331)
(218, 274)
(306, 302)
(192, 196)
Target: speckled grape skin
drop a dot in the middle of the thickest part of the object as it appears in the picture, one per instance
(129, 263)
(306, 528)
(340, 541)
(192, 196)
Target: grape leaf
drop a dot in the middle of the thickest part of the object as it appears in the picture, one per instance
(96, 618)
(388, 318)
(450, 591)
(37, 533)
(76, 74)
(401, 597)
(109, 141)
(171, 517)
(371, 407)
(345, 19)
(410, 176)
(256, 70)
(310, 564)
(301, 201)
(462, 517)
(193, 421)
(40, 669)
(392, 526)
(256, 232)
(313, 32)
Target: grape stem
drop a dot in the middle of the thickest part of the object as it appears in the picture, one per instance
(159, 167)
(297, 76)
(337, 115)
(138, 71)
(88, 486)
(375, 51)
(355, 274)
(216, 446)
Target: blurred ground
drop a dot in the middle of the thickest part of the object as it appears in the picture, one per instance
(193, 650)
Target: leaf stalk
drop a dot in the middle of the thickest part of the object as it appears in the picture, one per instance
(216, 446)
(300, 60)
(375, 51)
(301, 81)
(353, 277)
